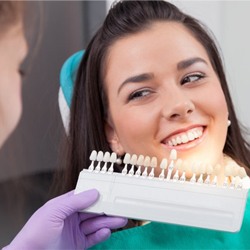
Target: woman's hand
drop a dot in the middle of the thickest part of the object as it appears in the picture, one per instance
(59, 225)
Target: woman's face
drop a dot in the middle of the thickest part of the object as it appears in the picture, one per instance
(163, 94)
(13, 49)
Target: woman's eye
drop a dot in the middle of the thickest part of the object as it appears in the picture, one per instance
(139, 94)
(192, 78)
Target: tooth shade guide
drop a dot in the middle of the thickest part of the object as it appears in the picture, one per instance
(172, 169)
(122, 195)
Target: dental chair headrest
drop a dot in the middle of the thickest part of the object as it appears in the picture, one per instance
(67, 80)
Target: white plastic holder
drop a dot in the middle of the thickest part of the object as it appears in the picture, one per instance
(182, 203)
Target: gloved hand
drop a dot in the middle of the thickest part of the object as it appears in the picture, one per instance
(59, 225)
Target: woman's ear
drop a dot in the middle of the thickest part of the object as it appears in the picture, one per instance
(113, 139)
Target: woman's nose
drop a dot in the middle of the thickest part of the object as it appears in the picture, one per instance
(179, 108)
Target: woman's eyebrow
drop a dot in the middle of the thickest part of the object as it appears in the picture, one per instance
(187, 63)
(137, 78)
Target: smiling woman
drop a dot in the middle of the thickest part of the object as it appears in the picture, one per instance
(152, 80)
(175, 95)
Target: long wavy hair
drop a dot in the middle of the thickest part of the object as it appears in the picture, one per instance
(89, 104)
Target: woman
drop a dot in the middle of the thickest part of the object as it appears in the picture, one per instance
(144, 86)
(57, 224)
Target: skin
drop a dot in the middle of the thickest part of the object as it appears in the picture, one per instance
(175, 91)
(13, 49)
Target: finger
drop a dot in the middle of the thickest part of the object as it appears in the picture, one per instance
(85, 216)
(94, 224)
(70, 203)
(97, 237)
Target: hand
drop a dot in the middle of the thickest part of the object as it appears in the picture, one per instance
(59, 225)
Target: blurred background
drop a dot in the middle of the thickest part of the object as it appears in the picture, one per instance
(30, 156)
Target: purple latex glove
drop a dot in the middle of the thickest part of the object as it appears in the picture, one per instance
(59, 225)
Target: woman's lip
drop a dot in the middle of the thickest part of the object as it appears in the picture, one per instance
(189, 144)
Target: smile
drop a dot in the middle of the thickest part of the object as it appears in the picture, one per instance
(184, 137)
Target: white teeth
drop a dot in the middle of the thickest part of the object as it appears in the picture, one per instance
(190, 136)
(185, 137)
(178, 140)
(174, 142)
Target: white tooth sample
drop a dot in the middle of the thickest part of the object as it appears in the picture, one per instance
(146, 162)
(216, 172)
(126, 161)
(209, 171)
(178, 166)
(164, 163)
(133, 162)
(190, 136)
(170, 143)
(172, 157)
(106, 159)
(202, 170)
(133, 159)
(113, 159)
(92, 157)
(163, 166)
(173, 154)
(235, 170)
(184, 138)
(146, 165)
(242, 172)
(140, 160)
(139, 163)
(184, 169)
(153, 165)
(217, 169)
(194, 169)
(99, 158)
(228, 170)
(238, 182)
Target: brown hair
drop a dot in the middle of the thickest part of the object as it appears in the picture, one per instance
(89, 105)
